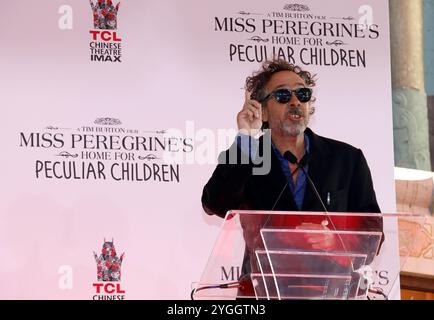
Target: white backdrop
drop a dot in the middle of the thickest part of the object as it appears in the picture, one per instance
(175, 72)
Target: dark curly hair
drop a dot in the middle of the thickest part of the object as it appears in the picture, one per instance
(258, 80)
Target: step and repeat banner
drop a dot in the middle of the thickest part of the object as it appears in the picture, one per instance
(114, 114)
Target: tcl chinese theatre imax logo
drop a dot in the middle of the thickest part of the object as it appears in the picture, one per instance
(108, 266)
(106, 44)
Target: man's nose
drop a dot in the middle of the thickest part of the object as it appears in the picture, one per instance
(294, 100)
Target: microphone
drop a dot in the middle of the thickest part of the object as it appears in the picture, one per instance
(288, 155)
(244, 285)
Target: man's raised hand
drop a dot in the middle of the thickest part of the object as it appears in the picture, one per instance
(249, 119)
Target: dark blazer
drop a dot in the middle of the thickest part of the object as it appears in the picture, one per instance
(335, 167)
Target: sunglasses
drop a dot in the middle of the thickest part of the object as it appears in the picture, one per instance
(284, 95)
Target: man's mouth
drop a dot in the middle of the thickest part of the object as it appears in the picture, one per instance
(295, 117)
(295, 114)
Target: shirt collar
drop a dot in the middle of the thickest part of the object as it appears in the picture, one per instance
(306, 147)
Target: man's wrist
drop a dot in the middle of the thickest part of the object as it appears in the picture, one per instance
(254, 133)
(247, 143)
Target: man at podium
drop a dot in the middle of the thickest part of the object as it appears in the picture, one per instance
(307, 172)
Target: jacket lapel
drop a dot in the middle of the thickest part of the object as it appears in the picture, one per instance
(317, 171)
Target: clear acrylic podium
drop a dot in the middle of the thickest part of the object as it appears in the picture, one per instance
(301, 255)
